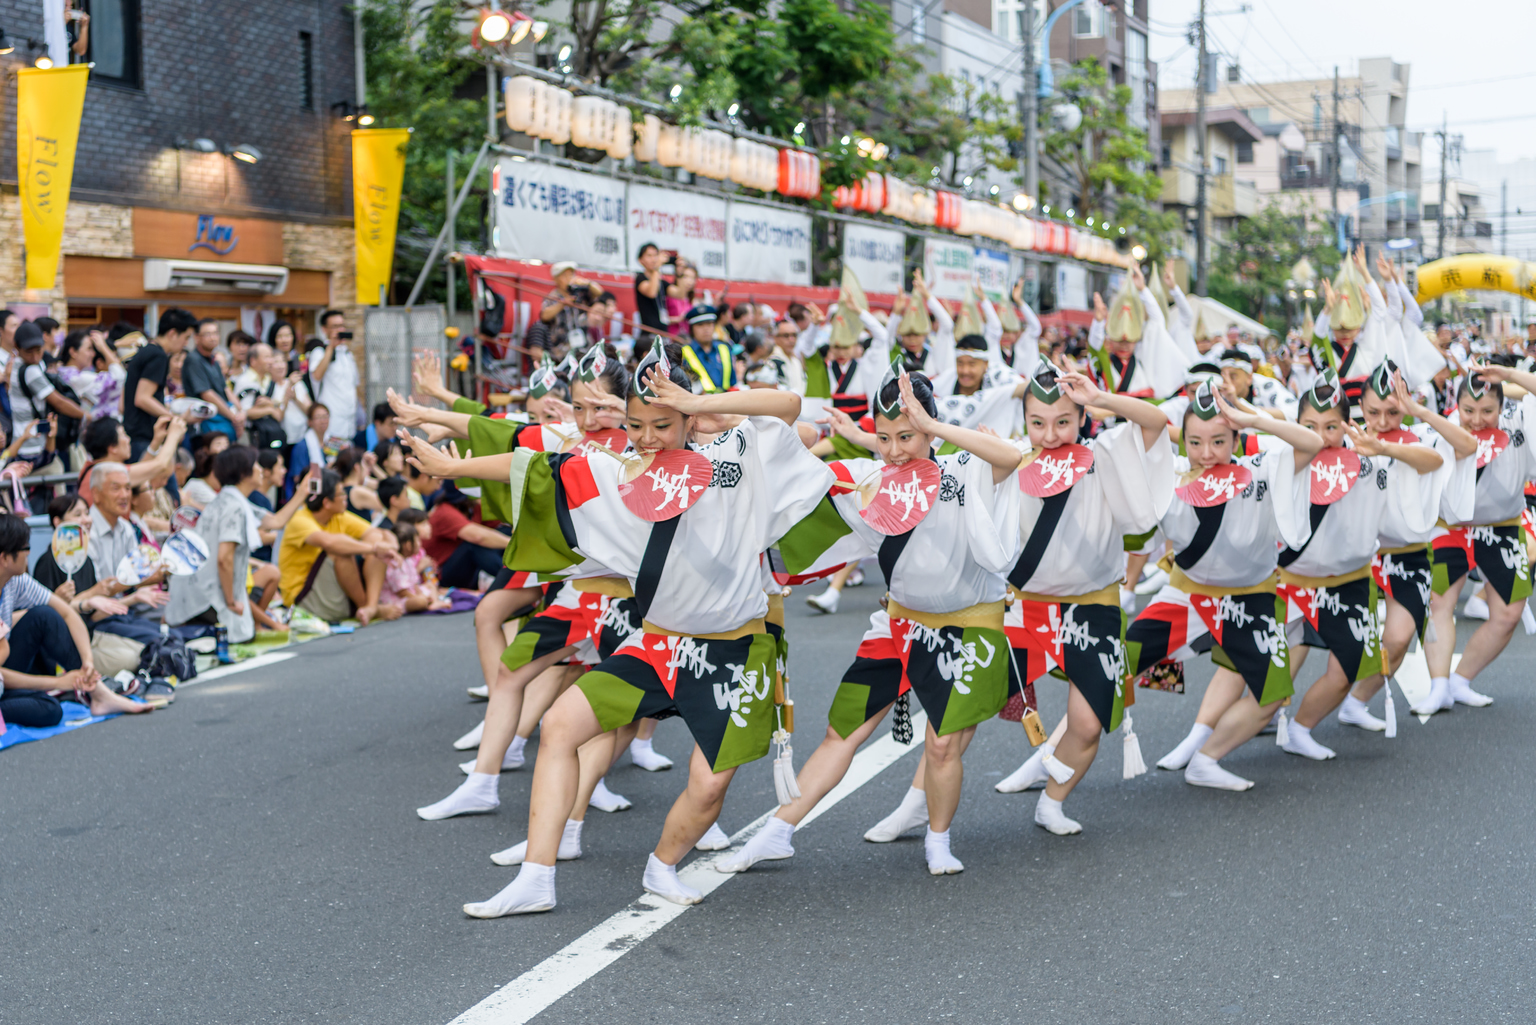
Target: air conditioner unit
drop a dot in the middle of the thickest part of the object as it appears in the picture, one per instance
(205, 276)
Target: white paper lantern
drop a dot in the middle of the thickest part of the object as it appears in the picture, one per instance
(518, 96)
(647, 139)
(669, 146)
(1024, 233)
(589, 122)
(621, 140)
(563, 101)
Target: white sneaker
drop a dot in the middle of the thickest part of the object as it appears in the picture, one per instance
(569, 849)
(713, 840)
(1050, 816)
(1463, 693)
(1152, 582)
(1205, 771)
(826, 601)
(509, 762)
(1354, 712)
(856, 578)
(1475, 608)
(480, 693)
(470, 740)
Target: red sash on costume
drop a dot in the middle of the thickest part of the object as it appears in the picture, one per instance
(1305, 599)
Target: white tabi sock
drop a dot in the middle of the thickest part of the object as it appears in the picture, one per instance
(475, 796)
(1354, 712)
(1179, 757)
(1205, 771)
(1300, 742)
(714, 839)
(533, 890)
(647, 757)
(661, 879)
(1439, 698)
(510, 761)
(1461, 690)
(1029, 775)
(569, 849)
(940, 861)
(1050, 816)
(470, 740)
(774, 842)
(912, 812)
(604, 799)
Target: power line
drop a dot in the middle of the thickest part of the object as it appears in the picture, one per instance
(1475, 81)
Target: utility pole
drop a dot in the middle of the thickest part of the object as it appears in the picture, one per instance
(453, 242)
(1444, 161)
(1504, 217)
(360, 65)
(1028, 105)
(1202, 84)
(1333, 177)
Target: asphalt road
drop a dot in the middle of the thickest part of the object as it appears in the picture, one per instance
(252, 855)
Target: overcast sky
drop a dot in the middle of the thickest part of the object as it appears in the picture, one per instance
(1449, 45)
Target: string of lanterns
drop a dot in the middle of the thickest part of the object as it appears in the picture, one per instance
(548, 112)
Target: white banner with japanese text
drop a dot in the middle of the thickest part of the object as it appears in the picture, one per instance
(768, 244)
(551, 213)
(687, 223)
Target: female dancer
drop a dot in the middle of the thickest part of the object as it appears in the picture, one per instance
(1222, 530)
(943, 551)
(572, 618)
(1489, 539)
(703, 651)
(1357, 483)
(1078, 504)
(1402, 565)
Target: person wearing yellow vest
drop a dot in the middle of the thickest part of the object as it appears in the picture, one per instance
(708, 358)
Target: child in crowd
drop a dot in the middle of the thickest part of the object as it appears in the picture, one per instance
(403, 581)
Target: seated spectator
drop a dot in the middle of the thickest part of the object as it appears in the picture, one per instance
(272, 473)
(388, 459)
(403, 583)
(394, 497)
(332, 562)
(362, 500)
(310, 450)
(114, 535)
(463, 547)
(216, 594)
(50, 637)
(422, 489)
(381, 429)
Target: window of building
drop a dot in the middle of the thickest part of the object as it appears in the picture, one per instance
(1136, 75)
(114, 41)
(1008, 18)
(919, 22)
(306, 71)
(1088, 19)
(1245, 152)
(1259, 115)
(1167, 157)
(1221, 165)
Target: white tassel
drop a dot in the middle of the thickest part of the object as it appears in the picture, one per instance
(1391, 712)
(1060, 771)
(784, 785)
(1134, 765)
(1282, 730)
(1528, 620)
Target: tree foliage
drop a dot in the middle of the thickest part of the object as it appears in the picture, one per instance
(1253, 263)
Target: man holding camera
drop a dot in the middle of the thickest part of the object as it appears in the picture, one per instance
(335, 377)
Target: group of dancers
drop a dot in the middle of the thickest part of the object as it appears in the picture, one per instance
(1007, 499)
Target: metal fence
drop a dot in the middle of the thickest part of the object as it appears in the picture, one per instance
(393, 335)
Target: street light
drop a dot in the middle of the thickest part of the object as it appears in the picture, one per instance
(676, 91)
(496, 25)
(1138, 253)
(245, 153)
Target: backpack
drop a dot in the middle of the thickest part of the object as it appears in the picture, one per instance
(168, 656)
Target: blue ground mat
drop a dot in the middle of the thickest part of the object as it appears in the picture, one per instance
(75, 716)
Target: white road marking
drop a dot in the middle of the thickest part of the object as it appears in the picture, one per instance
(561, 972)
(272, 658)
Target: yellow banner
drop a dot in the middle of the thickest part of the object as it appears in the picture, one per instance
(48, 105)
(378, 170)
